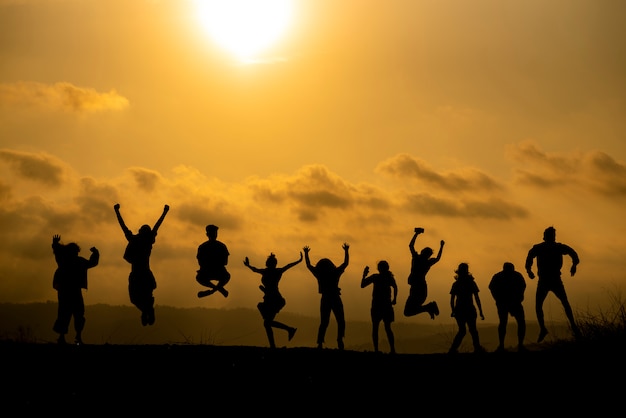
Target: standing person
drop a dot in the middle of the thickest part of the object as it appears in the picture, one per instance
(141, 281)
(382, 301)
(549, 254)
(273, 301)
(420, 265)
(507, 288)
(213, 258)
(462, 296)
(70, 278)
(328, 275)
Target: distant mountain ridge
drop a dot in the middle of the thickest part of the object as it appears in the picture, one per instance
(109, 324)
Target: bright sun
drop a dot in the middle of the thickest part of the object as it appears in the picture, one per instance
(245, 27)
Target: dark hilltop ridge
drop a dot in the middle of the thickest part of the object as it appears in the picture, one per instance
(212, 375)
(143, 379)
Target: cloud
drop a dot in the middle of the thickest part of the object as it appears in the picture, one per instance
(491, 208)
(593, 171)
(147, 180)
(405, 166)
(39, 167)
(61, 96)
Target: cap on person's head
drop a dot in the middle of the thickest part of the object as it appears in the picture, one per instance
(211, 228)
(508, 266)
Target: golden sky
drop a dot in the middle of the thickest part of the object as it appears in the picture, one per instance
(483, 122)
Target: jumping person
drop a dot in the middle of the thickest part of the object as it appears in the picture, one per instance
(273, 301)
(549, 255)
(141, 281)
(212, 257)
(420, 265)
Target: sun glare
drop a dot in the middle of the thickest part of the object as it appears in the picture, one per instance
(245, 28)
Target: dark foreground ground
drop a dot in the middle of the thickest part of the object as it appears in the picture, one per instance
(159, 380)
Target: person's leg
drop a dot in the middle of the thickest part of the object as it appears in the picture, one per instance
(415, 302)
(79, 318)
(64, 315)
(390, 337)
(540, 297)
(341, 322)
(503, 319)
(267, 324)
(458, 338)
(473, 330)
(324, 321)
(562, 296)
(375, 325)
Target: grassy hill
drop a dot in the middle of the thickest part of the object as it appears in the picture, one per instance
(212, 376)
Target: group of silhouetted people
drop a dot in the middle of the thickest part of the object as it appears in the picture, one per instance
(506, 286)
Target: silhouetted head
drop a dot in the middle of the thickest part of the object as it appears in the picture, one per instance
(72, 248)
(549, 234)
(383, 266)
(508, 267)
(211, 231)
(426, 252)
(462, 270)
(145, 230)
(271, 261)
(325, 266)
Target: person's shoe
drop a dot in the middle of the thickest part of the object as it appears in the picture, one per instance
(542, 335)
(292, 332)
(479, 349)
(435, 308)
(204, 293)
(340, 344)
(144, 319)
(61, 340)
(522, 349)
(320, 346)
(500, 349)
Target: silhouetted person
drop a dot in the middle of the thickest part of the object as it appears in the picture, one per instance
(549, 254)
(328, 275)
(273, 301)
(463, 293)
(507, 288)
(382, 301)
(141, 281)
(69, 279)
(213, 258)
(420, 265)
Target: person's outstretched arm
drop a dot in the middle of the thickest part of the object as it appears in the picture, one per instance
(94, 259)
(121, 220)
(307, 260)
(366, 281)
(441, 244)
(158, 223)
(290, 265)
(246, 262)
(346, 255)
(394, 286)
(417, 231)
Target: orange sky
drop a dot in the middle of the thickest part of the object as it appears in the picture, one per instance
(483, 122)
